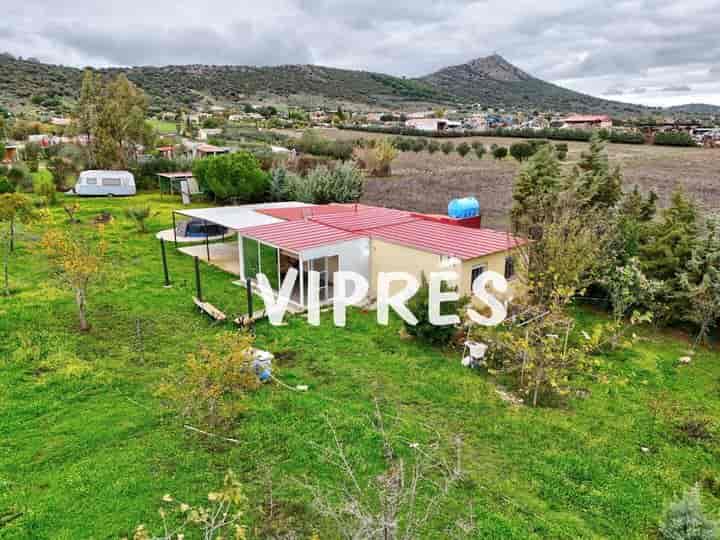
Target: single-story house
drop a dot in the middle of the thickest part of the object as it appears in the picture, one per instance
(601, 121)
(431, 124)
(205, 133)
(10, 153)
(166, 152)
(272, 238)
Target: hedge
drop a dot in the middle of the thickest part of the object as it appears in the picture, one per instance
(524, 133)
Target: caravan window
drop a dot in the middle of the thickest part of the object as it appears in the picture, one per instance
(111, 181)
(91, 181)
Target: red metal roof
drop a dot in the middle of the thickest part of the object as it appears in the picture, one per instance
(298, 235)
(445, 239)
(365, 219)
(302, 212)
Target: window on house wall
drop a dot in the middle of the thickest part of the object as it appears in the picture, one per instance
(475, 273)
(509, 267)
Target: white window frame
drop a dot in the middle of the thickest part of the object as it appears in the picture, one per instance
(484, 266)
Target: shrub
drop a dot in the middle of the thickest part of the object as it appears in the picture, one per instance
(433, 146)
(139, 214)
(463, 149)
(500, 152)
(342, 184)
(5, 185)
(306, 163)
(403, 144)
(479, 149)
(312, 143)
(521, 150)
(447, 147)
(419, 144)
(377, 159)
(237, 177)
(670, 138)
(686, 520)
(424, 329)
(216, 381)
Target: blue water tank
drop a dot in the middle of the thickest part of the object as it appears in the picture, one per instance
(466, 207)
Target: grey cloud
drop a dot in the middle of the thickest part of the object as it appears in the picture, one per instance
(614, 91)
(589, 45)
(241, 44)
(679, 88)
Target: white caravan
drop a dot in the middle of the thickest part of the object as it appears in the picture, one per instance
(105, 183)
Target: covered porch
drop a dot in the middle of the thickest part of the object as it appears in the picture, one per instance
(306, 246)
(224, 255)
(258, 257)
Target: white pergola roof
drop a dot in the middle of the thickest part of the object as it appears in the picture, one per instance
(238, 217)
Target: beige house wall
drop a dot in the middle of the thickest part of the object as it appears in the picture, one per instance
(387, 257)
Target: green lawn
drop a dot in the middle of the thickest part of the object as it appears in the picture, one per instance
(87, 450)
(163, 126)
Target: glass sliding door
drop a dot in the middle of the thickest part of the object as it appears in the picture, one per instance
(269, 265)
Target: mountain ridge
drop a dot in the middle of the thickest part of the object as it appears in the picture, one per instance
(491, 81)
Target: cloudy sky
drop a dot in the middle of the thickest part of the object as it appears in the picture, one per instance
(654, 52)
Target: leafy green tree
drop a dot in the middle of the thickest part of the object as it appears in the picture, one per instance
(79, 261)
(237, 177)
(500, 152)
(629, 289)
(669, 243)
(14, 207)
(600, 185)
(634, 214)
(701, 281)
(535, 189)
(112, 113)
(521, 151)
(278, 187)
(666, 248)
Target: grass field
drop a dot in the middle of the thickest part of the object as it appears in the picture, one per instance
(87, 449)
(163, 126)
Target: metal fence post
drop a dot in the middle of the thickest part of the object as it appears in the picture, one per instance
(164, 261)
(198, 289)
(248, 283)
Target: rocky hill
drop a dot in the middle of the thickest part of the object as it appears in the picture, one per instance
(490, 81)
(495, 82)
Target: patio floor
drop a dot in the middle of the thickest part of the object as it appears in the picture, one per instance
(224, 255)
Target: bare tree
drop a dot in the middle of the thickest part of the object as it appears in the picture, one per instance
(397, 504)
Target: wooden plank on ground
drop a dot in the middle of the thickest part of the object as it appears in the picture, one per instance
(208, 308)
